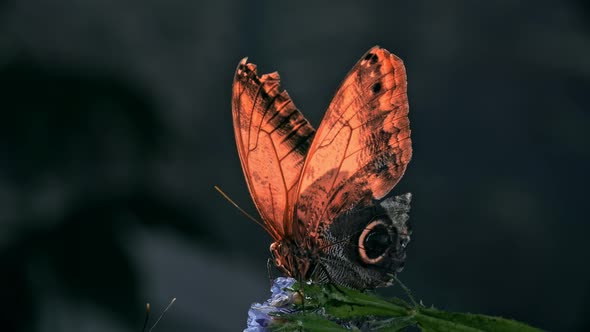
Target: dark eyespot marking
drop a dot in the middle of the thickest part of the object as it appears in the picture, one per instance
(372, 57)
(376, 87)
(377, 242)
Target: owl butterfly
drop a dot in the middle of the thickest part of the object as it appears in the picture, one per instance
(323, 195)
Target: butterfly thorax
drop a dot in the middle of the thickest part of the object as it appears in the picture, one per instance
(294, 259)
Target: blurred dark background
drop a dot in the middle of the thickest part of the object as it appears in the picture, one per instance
(115, 124)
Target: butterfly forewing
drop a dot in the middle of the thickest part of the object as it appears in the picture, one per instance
(362, 146)
(273, 138)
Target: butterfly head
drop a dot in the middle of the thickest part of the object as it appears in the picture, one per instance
(293, 259)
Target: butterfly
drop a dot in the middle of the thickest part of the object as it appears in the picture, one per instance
(324, 195)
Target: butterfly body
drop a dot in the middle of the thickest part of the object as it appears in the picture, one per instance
(324, 196)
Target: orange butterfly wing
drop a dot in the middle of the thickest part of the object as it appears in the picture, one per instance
(273, 138)
(362, 146)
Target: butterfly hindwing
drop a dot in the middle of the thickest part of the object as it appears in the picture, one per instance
(273, 138)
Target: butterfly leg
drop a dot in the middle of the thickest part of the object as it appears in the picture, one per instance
(330, 280)
(268, 269)
(406, 290)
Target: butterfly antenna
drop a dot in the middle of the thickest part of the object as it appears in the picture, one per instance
(240, 209)
(162, 314)
(147, 316)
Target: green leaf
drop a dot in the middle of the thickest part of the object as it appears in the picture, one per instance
(394, 324)
(306, 322)
(330, 308)
(348, 303)
(437, 320)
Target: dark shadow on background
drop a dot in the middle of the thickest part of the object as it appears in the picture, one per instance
(94, 137)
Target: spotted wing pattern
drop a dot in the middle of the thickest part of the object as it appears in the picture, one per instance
(273, 138)
(362, 146)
